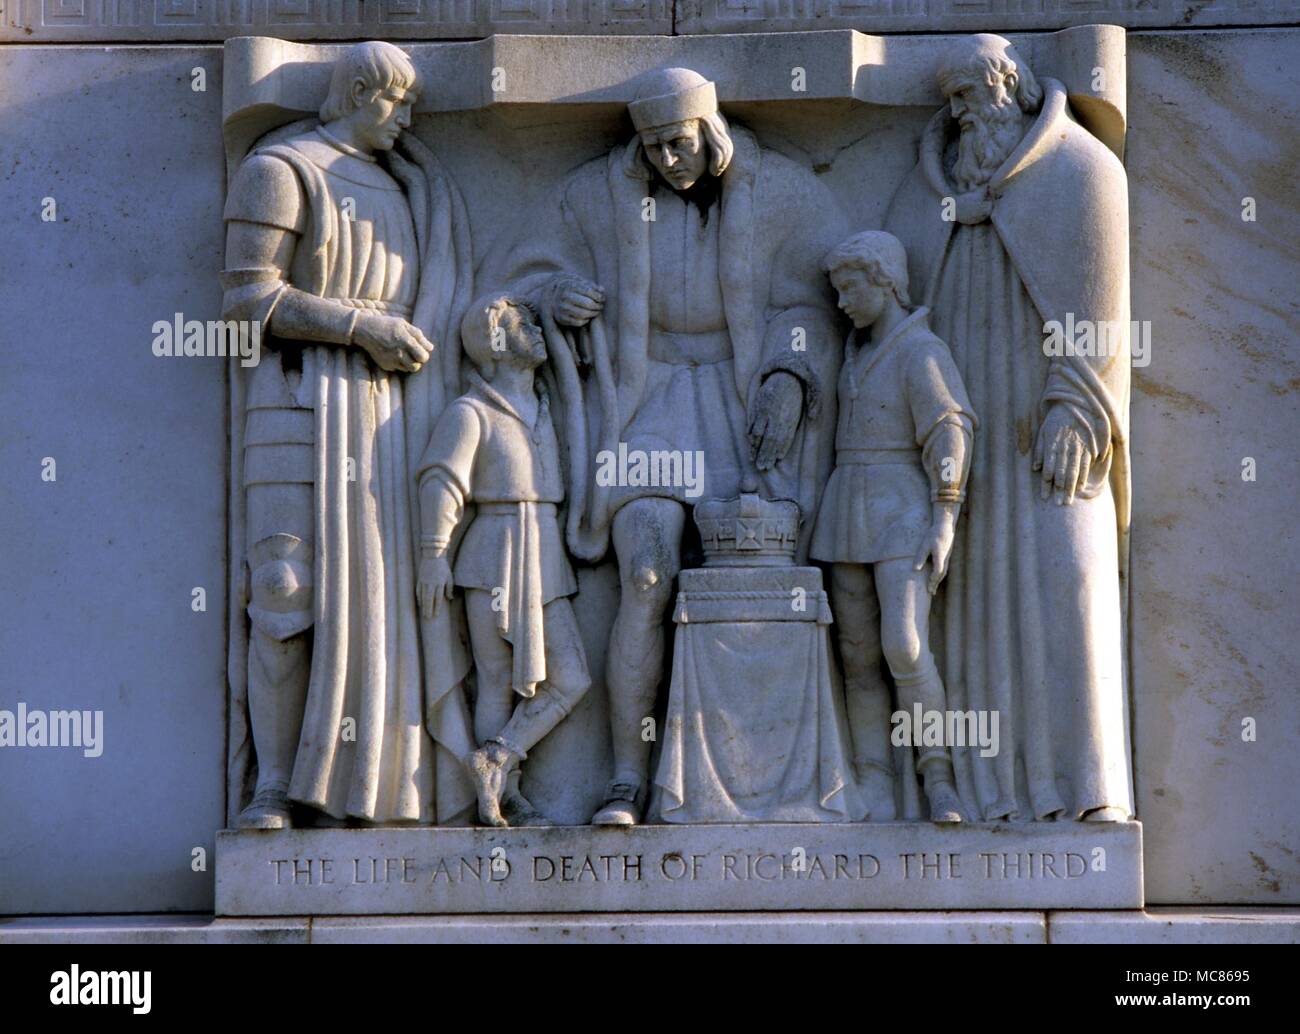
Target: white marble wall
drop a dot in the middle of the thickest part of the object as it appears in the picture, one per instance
(100, 564)
(1214, 118)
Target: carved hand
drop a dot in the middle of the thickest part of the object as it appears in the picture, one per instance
(575, 301)
(777, 409)
(1063, 455)
(391, 342)
(434, 584)
(937, 545)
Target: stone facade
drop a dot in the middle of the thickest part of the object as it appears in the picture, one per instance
(107, 557)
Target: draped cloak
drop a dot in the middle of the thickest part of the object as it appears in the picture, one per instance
(1032, 608)
(369, 662)
(776, 223)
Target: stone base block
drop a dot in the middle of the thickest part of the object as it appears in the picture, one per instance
(704, 868)
(152, 929)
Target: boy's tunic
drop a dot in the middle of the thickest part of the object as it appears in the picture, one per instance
(894, 398)
(483, 452)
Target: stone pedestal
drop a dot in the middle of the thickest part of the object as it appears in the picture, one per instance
(756, 728)
(732, 868)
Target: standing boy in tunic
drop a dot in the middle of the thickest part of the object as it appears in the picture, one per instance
(495, 447)
(902, 451)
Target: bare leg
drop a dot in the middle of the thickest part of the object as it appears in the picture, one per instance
(905, 639)
(565, 684)
(506, 726)
(489, 767)
(647, 535)
(492, 666)
(857, 624)
(281, 529)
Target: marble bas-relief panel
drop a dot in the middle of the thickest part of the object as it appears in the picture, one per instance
(1219, 816)
(890, 501)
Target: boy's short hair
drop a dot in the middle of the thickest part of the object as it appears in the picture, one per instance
(479, 327)
(878, 254)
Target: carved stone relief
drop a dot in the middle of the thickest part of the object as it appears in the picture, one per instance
(864, 492)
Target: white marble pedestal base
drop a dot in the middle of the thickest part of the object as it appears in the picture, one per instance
(705, 868)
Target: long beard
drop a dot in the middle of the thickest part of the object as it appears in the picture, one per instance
(985, 144)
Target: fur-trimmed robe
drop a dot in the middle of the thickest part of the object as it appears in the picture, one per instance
(777, 223)
(1033, 611)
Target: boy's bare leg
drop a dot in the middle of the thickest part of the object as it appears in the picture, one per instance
(492, 665)
(505, 743)
(905, 638)
(857, 625)
(489, 767)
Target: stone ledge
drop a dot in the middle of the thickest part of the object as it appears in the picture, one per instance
(171, 21)
(1177, 926)
(698, 17)
(152, 929)
(709, 868)
(1154, 926)
(694, 928)
(166, 21)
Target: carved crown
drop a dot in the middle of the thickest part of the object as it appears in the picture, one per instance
(748, 531)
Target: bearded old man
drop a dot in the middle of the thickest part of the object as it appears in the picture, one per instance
(699, 250)
(356, 267)
(1018, 219)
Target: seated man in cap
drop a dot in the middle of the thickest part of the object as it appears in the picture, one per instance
(700, 252)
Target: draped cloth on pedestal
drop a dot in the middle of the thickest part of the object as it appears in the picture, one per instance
(756, 730)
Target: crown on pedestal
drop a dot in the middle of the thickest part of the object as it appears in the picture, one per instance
(748, 531)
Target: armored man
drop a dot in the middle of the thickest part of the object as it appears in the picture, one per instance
(354, 267)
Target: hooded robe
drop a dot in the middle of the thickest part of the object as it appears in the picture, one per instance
(1032, 608)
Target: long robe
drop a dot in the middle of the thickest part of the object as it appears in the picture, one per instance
(1032, 612)
(406, 253)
